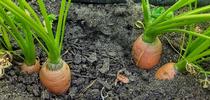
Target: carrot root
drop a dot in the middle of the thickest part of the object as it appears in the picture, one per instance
(31, 69)
(146, 55)
(166, 72)
(58, 81)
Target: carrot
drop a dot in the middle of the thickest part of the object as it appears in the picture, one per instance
(146, 52)
(56, 81)
(166, 72)
(55, 74)
(146, 55)
(31, 69)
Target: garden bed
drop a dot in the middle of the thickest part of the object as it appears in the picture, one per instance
(97, 44)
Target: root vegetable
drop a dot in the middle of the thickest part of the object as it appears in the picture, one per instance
(56, 81)
(166, 72)
(146, 55)
(31, 69)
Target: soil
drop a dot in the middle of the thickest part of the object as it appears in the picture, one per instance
(97, 44)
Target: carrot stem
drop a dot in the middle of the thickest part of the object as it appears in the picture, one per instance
(149, 39)
(181, 66)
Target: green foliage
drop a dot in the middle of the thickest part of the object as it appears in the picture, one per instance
(195, 53)
(5, 40)
(51, 18)
(53, 43)
(5, 37)
(157, 11)
(160, 21)
(197, 49)
(21, 33)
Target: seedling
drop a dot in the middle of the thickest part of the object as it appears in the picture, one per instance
(55, 73)
(197, 50)
(147, 49)
(23, 35)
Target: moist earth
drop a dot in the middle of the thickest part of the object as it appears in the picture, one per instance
(97, 44)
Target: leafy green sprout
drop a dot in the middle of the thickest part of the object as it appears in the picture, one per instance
(22, 34)
(160, 21)
(5, 40)
(155, 13)
(192, 62)
(44, 31)
(5, 37)
(197, 51)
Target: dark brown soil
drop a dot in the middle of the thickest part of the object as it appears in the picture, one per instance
(97, 44)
